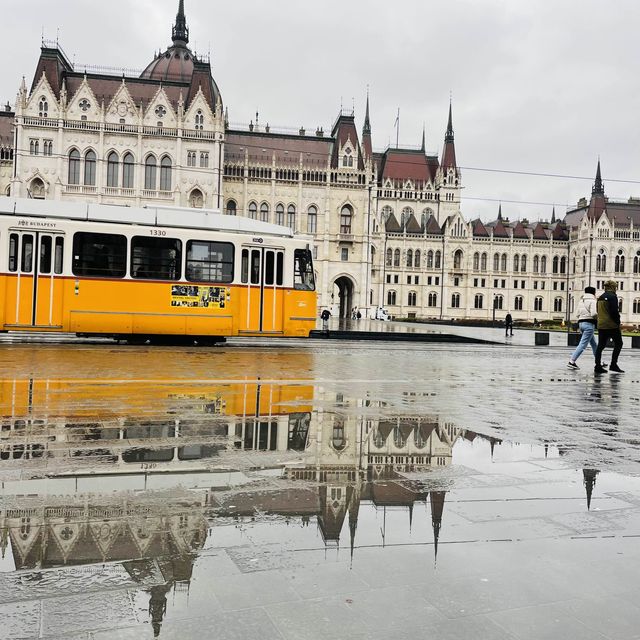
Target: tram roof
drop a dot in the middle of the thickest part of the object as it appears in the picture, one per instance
(160, 216)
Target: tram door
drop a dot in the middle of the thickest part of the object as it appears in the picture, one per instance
(263, 278)
(34, 294)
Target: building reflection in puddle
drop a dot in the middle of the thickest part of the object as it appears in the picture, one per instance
(130, 482)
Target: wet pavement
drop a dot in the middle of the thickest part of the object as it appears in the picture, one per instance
(317, 489)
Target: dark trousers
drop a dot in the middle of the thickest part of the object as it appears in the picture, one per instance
(603, 339)
(508, 327)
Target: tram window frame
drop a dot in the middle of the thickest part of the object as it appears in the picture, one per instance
(46, 245)
(157, 263)
(27, 255)
(244, 267)
(269, 268)
(13, 252)
(303, 275)
(116, 260)
(208, 268)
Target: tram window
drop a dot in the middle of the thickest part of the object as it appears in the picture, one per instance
(280, 268)
(198, 451)
(27, 254)
(148, 455)
(99, 254)
(209, 261)
(255, 266)
(269, 268)
(303, 270)
(156, 258)
(58, 256)
(13, 252)
(45, 254)
(244, 275)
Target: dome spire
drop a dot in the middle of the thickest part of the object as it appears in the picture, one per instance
(180, 31)
(598, 187)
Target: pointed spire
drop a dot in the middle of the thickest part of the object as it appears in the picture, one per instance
(598, 187)
(500, 211)
(553, 215)
(366, 129)
(589, 482)
(423, 145)
(437, 507)
(449, 135)
(180, 31)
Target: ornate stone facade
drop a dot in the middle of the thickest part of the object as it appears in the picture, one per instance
(386, 227)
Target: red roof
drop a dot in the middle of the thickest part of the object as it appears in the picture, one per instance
(479, 229)
(519, 231)
(499, 230)
(406, 164)
(343, 130)
(288, 149)
(539, 233)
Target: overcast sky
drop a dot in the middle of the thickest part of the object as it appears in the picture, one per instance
(545, 86)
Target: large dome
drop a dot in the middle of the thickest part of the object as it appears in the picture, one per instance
(174, 65)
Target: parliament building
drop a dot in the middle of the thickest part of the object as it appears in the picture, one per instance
(385, 226)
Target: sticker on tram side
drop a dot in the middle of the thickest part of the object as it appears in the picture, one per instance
(195, 296)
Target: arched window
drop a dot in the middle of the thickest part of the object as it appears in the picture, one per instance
(516, 263)
(128, 165)
(165, 174)
(496, 261)
(345, 220)
(498, 302)
(620, 305)
(232, 207)
(264, 212)
(74, 167)
(398, 438)
(37, 189)
(409, 258)
(483, 262)
(196, 199)
(432, 301)
(113, 169)
(312, 219)
(389, 259)
(556, 264)
(280, 214)
(557, 305)
(412, 298)
(291, 217)
(150, 173)
(563, 265)
(518, 303)
(523, 263)
(253, 210)
(601, 261)
(416, 259)
(636, 263)
(396, 258)
(43, 112)
(457, 259)
(455, 300)
(543, 264)
(537, 304)
(386, 213)
(619, 262)
(391, 298)
(503, 262)
(536, 264)
(338, 440)
(429, 259)
(199, 120)
(476, 261)
(584, 261)
(478, 301)
(90, 168)
(438, 260)
(636, 306)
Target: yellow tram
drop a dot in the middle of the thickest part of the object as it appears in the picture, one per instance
(138, 273)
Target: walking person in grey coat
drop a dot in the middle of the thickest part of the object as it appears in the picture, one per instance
(587, 317)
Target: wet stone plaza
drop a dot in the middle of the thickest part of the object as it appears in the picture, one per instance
(306, 490)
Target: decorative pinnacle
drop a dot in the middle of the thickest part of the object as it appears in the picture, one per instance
(180, 31)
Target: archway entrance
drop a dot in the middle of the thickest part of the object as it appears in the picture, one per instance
(342, 296)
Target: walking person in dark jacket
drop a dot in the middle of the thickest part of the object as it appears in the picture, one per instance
(609, 327)
(508, 324)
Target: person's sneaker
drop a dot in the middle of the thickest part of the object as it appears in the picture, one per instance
(599, 369)
(615, 369)
(572, 365)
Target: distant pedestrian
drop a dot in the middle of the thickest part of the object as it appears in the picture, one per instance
(587, 316)
(508, 325)
(358, 315)
(609, 327)
(325, 315)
